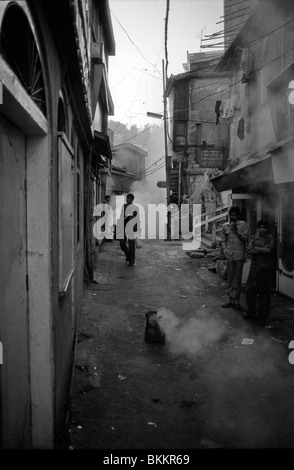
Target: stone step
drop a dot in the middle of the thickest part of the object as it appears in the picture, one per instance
(206, 239)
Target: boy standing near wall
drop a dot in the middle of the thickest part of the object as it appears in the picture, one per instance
(233, 241)
(261, 252)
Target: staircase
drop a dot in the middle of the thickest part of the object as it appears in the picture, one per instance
(208, 242)
(211, 223)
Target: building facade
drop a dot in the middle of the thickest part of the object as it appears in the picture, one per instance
(260, 170)
(51, 104)
(198, 138)
(128, 166)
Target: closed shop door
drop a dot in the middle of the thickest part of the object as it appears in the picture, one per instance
(15, 391)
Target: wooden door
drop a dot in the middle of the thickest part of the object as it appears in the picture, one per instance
(15, 389)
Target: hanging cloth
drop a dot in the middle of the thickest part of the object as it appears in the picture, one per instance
(217, 110)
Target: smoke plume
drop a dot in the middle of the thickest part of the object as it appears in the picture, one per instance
(191, 337)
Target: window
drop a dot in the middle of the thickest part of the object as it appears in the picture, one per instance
(61, 123)
(66, 211)
(181, 100)
(78, 196)
(180, 133)
(19, 49)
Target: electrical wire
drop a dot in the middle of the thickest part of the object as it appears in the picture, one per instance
(131, 105)
(135, 44)
(137, 69)
(160, 51)
(122, 79)
(154, 171)
(235, 83)
(150, 170)
(256, 70)
(231, 19)
(236, 3)
(236, 11)
(155, 163)
(267, 34)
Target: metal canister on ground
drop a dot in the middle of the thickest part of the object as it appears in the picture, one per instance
(153, 332)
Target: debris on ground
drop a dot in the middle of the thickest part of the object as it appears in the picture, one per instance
(196, 254)
(247, 341)
(279, 340)
(212, 269)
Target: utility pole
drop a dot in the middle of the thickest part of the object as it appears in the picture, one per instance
(167, 158)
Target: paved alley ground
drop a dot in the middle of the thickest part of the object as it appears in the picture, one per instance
(202, 389)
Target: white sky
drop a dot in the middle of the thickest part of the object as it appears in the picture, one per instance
(135, 72)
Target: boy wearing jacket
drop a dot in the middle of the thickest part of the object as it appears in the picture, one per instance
(261, 251)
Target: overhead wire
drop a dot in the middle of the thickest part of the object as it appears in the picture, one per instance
(122, 79)
(264, 65)
(135, 44)
(131, 105)
(155, 163)
(234, 18)
(152, 172)
(235, 11)
(141, 70)
(236, 82)
(259, 37)
(236, 3)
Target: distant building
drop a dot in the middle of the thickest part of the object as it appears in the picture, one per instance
(128, 166)
(198, 141)
(132, 157)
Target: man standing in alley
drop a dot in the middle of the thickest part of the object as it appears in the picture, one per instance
(261, 251)
(128, 228)
(233, 241)
(108, 227)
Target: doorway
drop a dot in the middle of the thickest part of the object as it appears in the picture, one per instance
(14, 323)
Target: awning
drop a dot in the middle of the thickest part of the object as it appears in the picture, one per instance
(101, 149)
(254, 174)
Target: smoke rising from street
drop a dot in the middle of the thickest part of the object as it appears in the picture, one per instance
(190, 337)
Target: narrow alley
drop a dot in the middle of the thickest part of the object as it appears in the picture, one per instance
(217, 382)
